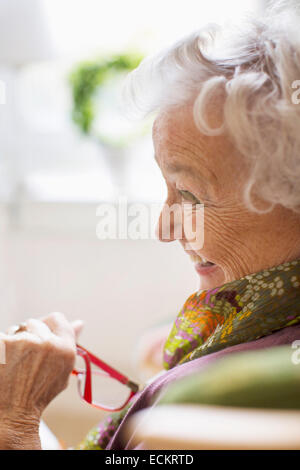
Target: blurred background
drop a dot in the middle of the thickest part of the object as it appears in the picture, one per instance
(65, 147)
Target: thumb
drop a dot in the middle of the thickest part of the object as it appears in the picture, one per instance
(77, 327)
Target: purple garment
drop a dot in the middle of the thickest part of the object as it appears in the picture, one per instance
(282, 337)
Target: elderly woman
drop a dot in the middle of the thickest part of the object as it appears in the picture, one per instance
(226, 138)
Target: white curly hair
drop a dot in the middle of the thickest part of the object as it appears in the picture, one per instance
(257, 68)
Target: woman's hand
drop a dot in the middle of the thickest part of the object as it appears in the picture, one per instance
(38, 365)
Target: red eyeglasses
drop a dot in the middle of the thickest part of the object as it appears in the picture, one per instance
(100, 385)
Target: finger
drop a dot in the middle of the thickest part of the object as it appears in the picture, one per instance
(19, 332)
(60, 326)
(12, 329)
(77, 327)
(23, 335)
(39, 328)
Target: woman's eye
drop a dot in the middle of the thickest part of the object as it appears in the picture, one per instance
(189, 196)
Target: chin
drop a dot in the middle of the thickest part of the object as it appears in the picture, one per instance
(210, 278)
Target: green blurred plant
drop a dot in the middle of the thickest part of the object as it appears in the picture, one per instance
(88, 77)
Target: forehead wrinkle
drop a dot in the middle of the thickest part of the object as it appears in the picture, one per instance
(183, 149)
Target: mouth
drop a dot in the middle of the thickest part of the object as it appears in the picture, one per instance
(202, 265)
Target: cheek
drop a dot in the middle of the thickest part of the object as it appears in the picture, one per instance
(193, 227)
(222, 242)
(230, 241)
(214, 240)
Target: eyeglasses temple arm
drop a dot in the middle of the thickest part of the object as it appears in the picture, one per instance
(110, 370)
(133, 386)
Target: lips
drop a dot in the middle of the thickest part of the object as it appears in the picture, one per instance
(206, 263)
(202, 265)
(206, 268)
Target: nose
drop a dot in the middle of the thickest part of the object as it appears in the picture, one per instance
(169, 225)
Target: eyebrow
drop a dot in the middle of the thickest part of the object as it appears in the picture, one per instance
(206, 176)
(175, 168)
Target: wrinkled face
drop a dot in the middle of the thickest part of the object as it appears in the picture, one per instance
(209, 170)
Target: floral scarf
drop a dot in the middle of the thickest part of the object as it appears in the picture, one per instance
(211, 320)
(237, 312)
